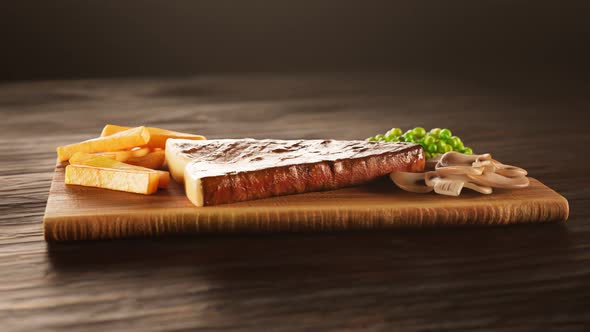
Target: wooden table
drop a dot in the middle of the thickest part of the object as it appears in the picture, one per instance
(514, 278)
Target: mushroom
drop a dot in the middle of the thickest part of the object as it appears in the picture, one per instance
(412, 182)
(499, 181)
(454, 171)
(453, 184)
(455, 163)
(491, 165)
(459, 170)
(460, 159)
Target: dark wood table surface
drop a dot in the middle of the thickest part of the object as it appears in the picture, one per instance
(509, 278)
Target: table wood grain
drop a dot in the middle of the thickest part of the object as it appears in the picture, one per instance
(509, 278)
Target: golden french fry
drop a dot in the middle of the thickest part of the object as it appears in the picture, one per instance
(125, 154)
(122, 140)
(153, 160)
(85, 159)
(135, 181)
(158, 136)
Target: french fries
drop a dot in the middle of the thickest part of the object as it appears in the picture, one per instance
(135, 181)
(153, 160)
(105, 163)
(145, 157)
(125, 154)
(122, 158)
(122, 140)
(158, 136)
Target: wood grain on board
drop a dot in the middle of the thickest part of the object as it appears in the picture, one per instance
(527, 277)
(82, 213)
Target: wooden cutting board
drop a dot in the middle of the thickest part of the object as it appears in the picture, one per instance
(83, 213)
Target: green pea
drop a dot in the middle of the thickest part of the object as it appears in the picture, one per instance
(379, 137)
(456, 143)
(435, 132)
(448, 148)
(371, 139)
(429, 139)
(440, 146)
(419, 132)
(394, 132)
(391, 138)
(409, 137)
(445, 134)
(431, 148)
(467, 151)
(427, 155)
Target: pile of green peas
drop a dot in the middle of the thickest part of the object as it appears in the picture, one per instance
(436, 141)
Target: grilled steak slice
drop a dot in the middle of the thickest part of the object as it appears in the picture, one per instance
(225, 171)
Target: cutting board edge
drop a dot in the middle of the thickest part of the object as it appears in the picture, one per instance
(109, 226)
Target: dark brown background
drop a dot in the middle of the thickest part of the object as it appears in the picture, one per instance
(485, 39)
(509, 77)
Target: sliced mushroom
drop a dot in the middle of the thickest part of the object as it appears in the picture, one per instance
(448, 187)
(476, 187)
(460, 159)
(511, 171)
(454, 171)
(412, 182)
(443, 186)
(455, 163)
(459, 170)
(502, 169)
(487, 165)
(453, 184)
(498, 181)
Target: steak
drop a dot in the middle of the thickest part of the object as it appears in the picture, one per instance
(233, 170)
